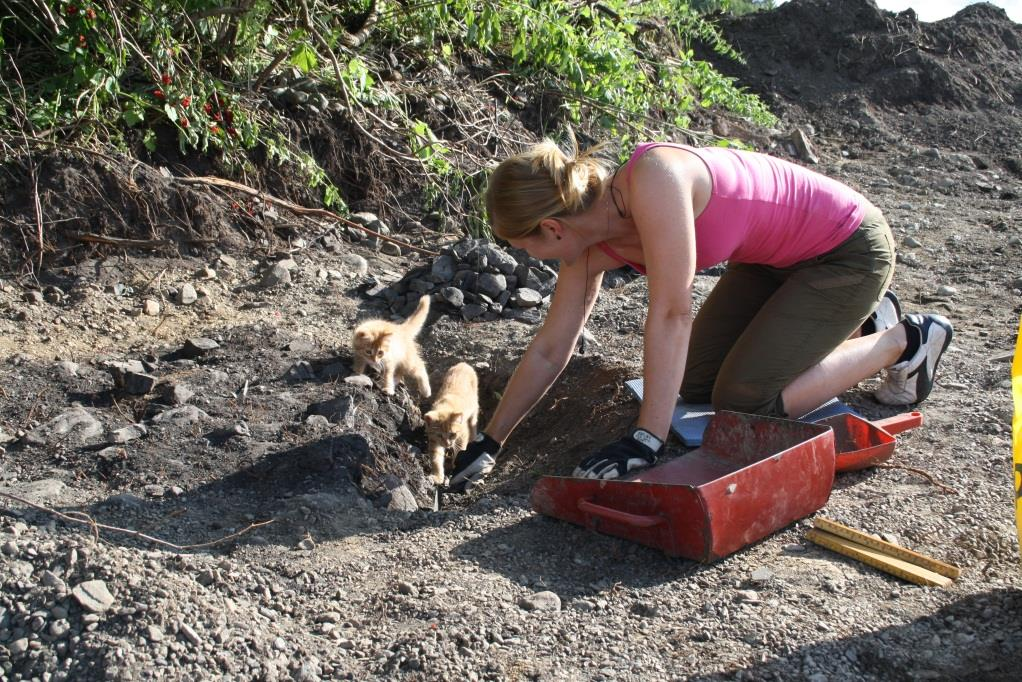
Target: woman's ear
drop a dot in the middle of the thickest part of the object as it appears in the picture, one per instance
(552, 227)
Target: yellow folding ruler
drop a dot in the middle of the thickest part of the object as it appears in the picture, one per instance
(888, 557)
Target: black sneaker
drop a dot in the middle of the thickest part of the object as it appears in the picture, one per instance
(910, 381)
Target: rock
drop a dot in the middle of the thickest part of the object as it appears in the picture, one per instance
(407, 588)
(54, 295)
(803, 147)
(150, 307)
(443, 268)
(206, 273)
(945, 290)
(399, 499)
(360, 380)
(471, 311)
(136, 383)
(541, 601)
(190, 634)
(355, 264)
(18, 647)
(275, 275)
(176, 394)
(911, 242)
(390, 249)
(181, 416)
(644, 610)
(186, 295)
(127, 434)
(76, 425)
(498, 259)
(154, 633)
(339, 410)
(526, 298)
(749, 596)
(33, 297)
(370, 220)
(492, 285)
(526, 315)
(453, 296)
(93, 595)
(197, 347)
(67, 368)
(762, 575)
(300, 371)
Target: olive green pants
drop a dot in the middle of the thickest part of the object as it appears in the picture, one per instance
(761, 326)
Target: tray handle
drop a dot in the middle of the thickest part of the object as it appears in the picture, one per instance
(635, 520)
(900, 422)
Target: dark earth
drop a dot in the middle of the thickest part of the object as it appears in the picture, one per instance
(358, 576)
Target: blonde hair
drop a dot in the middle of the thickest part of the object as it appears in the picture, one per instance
(544, 181)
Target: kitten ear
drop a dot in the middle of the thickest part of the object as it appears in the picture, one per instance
(429, 417)
(361, 333)
(458, 417)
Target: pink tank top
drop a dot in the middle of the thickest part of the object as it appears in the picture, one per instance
(764, 210)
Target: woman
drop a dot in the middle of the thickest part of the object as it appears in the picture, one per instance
(798, 317)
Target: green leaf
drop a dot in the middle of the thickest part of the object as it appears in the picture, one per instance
(304, 57)
(149, 140)
(133, 116)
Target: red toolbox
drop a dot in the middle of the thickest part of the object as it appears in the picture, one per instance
(751, 477)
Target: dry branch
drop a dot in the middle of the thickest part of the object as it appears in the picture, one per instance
(87, 520)
(295, 208)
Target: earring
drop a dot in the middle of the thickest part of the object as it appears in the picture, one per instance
(558, 237)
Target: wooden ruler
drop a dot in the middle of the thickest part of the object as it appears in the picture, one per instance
(886, 556)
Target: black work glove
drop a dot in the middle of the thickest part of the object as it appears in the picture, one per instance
(473, 463)
(637, 450)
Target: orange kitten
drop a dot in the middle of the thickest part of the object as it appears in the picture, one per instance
(390, 349)
(451, 424)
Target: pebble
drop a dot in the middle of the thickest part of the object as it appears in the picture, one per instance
(541, 601)
(93, 595)
(946, 290)
(186, 295)
(151, 307)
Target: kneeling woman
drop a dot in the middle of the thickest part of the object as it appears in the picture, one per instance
(799, 316)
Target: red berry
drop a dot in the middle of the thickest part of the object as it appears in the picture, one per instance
(216, 116)
(90, 13)
(229, 116)
(184, 122)
(166, 79)
(186, 101)
(214, 129)
(208, 108)
(157, 93)
(231, 131)
(72, 10)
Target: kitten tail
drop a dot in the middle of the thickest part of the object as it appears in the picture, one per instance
(418, 318)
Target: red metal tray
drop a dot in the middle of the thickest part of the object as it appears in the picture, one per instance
(751, 477)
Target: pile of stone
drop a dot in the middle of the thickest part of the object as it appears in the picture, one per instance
(479, 281)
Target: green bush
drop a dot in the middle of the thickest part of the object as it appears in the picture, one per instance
(119, 72)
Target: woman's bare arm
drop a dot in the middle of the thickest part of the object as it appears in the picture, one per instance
(578, 286)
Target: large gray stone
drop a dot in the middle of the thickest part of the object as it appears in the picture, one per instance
(491, 284)
(75, 425)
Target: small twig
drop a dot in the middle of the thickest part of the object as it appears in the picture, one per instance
(35, 404)
(96, 527)
(929, 477)
(126, 243)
